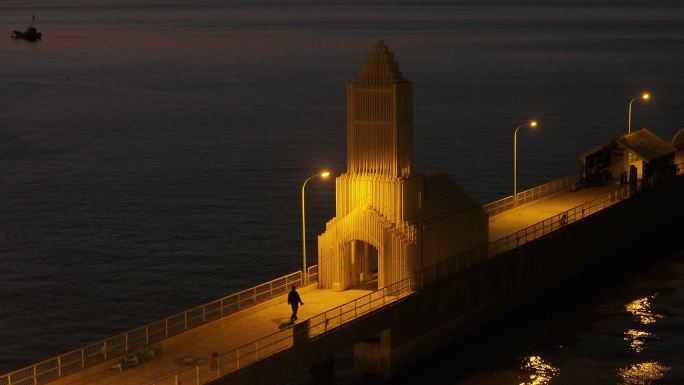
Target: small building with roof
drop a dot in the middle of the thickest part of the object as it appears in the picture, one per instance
(678, 142)
(651, 156)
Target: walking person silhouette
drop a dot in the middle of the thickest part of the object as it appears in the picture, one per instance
(294, 300)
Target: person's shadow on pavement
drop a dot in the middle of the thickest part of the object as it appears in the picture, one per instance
(283, 323)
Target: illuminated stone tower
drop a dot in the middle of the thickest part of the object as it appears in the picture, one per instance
(380, 118)
(389, 221)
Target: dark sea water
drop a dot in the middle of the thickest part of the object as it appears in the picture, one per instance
(152, 153)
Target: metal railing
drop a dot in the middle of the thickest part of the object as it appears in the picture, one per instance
(204, 370)
(574, 214)
(555, 222)
(317, 326)
(137, 339)
(505, 204)
(312, 274)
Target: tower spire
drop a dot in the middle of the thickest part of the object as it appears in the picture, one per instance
(380, 117)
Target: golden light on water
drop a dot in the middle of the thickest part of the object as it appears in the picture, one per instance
(541, 371)
(636, 339)
(642, 373)
(641, 310)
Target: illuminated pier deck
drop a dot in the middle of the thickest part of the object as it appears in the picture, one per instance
(219, 336)
(537, 211)
(191, 348)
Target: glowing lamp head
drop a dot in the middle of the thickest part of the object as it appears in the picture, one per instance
(325, 174)
(533, 123)
(645, 96)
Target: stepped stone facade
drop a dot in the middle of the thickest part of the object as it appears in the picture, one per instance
(390, 221)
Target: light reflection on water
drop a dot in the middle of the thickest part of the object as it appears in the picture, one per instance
(641, 310)
(642, 373)
(541, 371)
(637, 339)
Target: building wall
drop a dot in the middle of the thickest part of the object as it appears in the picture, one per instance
(398, 199)
(396, 240)
(379, 127)
(412, 222)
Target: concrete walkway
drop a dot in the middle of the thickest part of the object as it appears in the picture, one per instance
(527, 215)
(219, 336)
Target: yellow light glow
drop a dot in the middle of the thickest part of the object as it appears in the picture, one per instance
(645, 96)
(533, 123)
(541, 372)
(642, 373)
(637, 339)
(325, 174)
(641, 310)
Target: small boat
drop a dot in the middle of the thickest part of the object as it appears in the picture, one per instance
(31, 34)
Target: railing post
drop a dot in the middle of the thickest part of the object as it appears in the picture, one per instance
(82, 360)
(256, 350)
(186, 320)
(221, 304)
(218, 366)
(270, 289)
(126, 342)
(237, 359)
(147, 335)
(104, 346)
(197, 374)
(59, 368)
(35, 379)
(204, 313)
(166, 328)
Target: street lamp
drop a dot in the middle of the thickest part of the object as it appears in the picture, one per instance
(645, 97)
(532, 124)
(324, 174)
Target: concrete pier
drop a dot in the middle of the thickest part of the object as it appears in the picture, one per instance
(377, 342)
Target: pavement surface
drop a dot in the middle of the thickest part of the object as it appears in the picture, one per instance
(219, 336)
(528, 214)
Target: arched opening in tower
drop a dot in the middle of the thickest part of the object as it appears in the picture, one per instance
(363, 264)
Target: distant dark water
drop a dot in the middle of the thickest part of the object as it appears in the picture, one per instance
(152, 154)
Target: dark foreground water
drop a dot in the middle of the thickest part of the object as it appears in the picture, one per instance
(152, 152)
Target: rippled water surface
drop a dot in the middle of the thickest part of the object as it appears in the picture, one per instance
(152, 152)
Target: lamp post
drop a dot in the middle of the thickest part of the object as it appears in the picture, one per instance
(324, 175)
(531, 123)
(645, 97)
